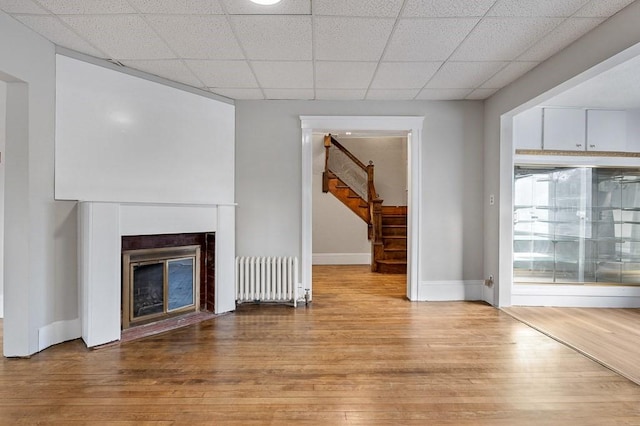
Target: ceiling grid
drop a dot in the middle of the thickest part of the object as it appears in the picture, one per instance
(325, 49)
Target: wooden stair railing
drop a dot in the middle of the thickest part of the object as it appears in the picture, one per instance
(366, 204)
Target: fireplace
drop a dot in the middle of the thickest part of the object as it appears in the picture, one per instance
(164, 276)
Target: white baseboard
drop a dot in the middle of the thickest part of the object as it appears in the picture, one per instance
(58, 332)
(341, 258)
(450, 290)
(1, 306)
(576, 296)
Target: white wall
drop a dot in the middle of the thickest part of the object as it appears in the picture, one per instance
(120, 138)
(3, 116)
(268, 179)
(40, 233)
(613, 36)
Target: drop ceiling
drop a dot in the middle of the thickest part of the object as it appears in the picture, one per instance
(321, 49)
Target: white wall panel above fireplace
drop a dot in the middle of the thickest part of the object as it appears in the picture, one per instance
(121, 138)
(137, 219)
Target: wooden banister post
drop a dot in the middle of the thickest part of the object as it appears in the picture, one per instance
(370, 186)
(325, 174)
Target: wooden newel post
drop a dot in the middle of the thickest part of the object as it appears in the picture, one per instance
(325, 174)
(370, 186)
(377, 245)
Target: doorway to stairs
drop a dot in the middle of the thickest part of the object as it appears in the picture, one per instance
(359, 192)
(408, 127)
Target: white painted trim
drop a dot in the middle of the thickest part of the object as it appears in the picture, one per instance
(307, 211)
(412, 125)
(1, 306)
(450, 290)
(225, 272)
(58, 332)
(503, 291)
(342, 258)
(585, 296)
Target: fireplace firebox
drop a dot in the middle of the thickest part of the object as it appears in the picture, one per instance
(165, 276)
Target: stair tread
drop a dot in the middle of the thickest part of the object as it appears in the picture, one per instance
(392, 261)
(396, 237)
(395, 249)
(393, 226)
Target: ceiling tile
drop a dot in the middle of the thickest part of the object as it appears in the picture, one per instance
(480, 94)
(198, 37)
(602, 9)
(366, 37)
(446, 8)
(340, 94)
(289, 93)
(503, 39)
(239, 93)
(120, 36)
(508, 74)
(461, 75)
(427, 39)
(344, 75)
(442, 94)
(563, 35)
(404, 75)
(53, 29)
(377, 8)
(188, 7)
(392, 94)
(284, 75)
(274, 37)
(171, 69)
(21, 6)
(289, 7)
(224, 73)
(74, 7)
(542, 8)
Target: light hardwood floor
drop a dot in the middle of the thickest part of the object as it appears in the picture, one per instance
(610, 336)
(360, 354)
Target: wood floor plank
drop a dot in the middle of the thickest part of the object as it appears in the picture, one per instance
(359, 354)
(610, 336)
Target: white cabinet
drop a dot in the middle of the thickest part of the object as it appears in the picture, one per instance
(564, 129)
(606, 130)
(577, 129)
(527, 129)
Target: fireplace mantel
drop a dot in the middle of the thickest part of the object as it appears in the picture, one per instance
(101, 227)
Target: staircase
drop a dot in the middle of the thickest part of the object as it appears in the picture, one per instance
(393, 258)
(351, 182)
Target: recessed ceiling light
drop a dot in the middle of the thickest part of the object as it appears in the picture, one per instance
(266, 2)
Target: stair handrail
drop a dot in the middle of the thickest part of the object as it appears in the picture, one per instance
(329, 140)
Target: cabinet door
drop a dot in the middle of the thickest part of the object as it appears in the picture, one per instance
(564, 129)
(527, 129)
(606, 130)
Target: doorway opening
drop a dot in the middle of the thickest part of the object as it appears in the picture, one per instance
(359, 192)
(411, 128)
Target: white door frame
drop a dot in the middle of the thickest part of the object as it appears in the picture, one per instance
(412, 125)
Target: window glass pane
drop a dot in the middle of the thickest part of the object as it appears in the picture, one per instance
(181, 283)
(147, 292)
(576, 224)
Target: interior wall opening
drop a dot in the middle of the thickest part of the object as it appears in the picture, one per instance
(343, 231)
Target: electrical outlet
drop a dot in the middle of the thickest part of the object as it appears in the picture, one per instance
(492, 199)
